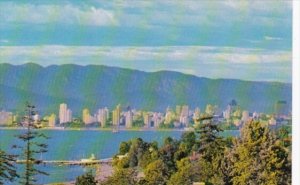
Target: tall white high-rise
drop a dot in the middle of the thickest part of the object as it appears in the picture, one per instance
(157, 119)
(129, 117)
(184, 117)
(102, 116)
(147, 120)
(69, 115)
(65, 114)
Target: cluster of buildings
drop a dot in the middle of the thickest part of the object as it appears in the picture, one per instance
(236, 116)
(7, 118)
(181, 117)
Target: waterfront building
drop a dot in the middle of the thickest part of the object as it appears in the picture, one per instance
(69, 115)
(107, 112)
(184, 120)
(86, 117)
(6, 118)
(210, 110)
(184, 116)
(65, 114)
(237, 113)
(245, 116)
(255, 115)
(102, 116)
(116, 115)
(185, 111)
(196, 115)
(226, 114)
(36, 118)
(178, 110)
(52, 120)
(169, 116)
(147, 120)
(128, 119)
(157, 119)
(16, 118)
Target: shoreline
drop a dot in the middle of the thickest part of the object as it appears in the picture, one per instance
(103, 171)
(109, 129)
(96, 129)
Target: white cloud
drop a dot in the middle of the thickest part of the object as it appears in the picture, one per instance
(165, 54)
(66, 14)
(151, 13)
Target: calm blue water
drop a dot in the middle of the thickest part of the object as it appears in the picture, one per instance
(75, 145)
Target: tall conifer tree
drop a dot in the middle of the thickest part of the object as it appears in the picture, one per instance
(32, 146)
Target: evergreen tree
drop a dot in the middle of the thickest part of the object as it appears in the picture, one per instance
(211, 150)
(210, 142)
(86, 179)
(32, 146)
(187, 173)
(7, 169)
(258, 158)
(167, 153)
(122, 177)
(157, 173)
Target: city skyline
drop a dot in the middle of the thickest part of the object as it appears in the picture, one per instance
(153, 36)
(182, 116)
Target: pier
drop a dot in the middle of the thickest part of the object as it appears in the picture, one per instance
(71, 162)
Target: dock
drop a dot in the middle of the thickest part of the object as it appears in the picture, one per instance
(71, 162)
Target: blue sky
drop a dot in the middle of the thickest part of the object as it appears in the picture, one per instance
(248, 40)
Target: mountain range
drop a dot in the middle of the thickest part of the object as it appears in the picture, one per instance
(96, 86)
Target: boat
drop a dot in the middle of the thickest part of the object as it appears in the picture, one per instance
(115, 130)
(90, 159)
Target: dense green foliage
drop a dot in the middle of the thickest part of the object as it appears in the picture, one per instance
(258, 156)
(7, 169)
(122, 177)
(86, 179)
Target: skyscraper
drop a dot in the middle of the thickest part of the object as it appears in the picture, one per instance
(69, 115)
(116, 115)
(129, 117)
(86, 116)
(178, 110)
(102, 116)
(184, 116)
(65, 114)
(169, 116)
(52, 120)
(185, 111)
(157, 119)
(147, 120)
(245, 116)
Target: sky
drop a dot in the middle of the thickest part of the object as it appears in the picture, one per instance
(249, 40)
